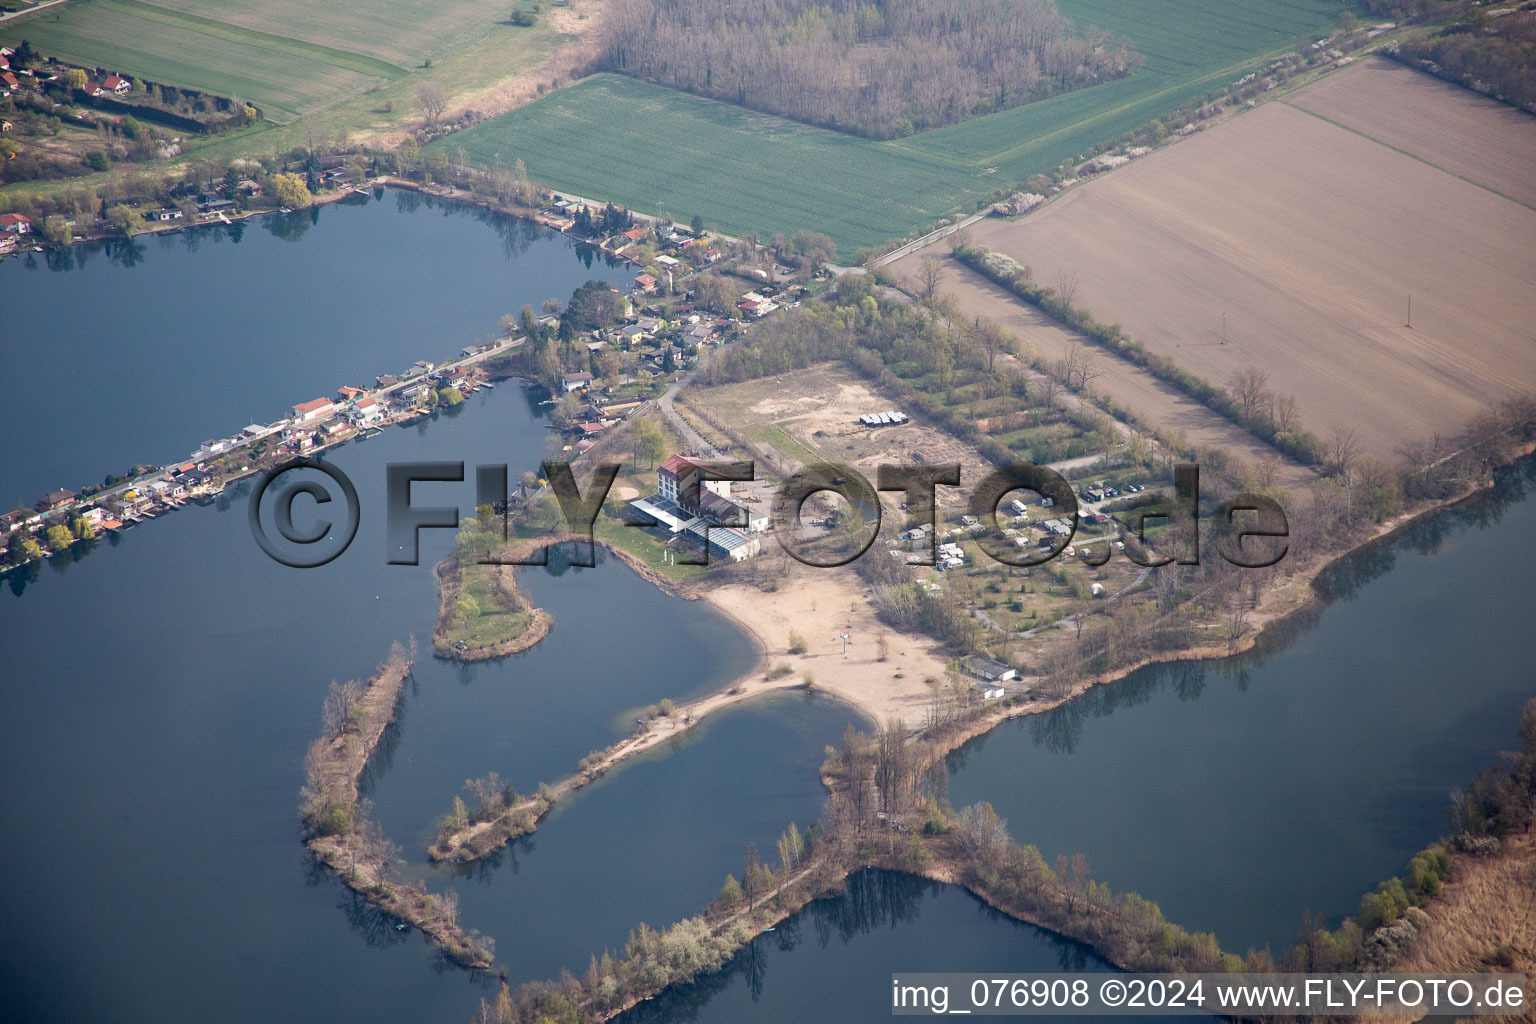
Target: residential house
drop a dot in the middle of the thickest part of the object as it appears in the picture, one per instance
(314, 411)
(115, 85)
(5, 125)
(15, 224)
(55, 500)
(18, 518)
(9, 82)
(169, 213)
(646, 283)
(576, 381)
(349, 393)
(630, 335)
(366, 411)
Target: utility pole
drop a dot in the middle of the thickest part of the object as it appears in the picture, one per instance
(844, 635)
(1409, 324)
(1223, 328)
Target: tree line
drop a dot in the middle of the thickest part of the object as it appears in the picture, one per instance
(1496, 56)
(871, 67)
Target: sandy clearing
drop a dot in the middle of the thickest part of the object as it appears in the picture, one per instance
(1457, 129)
(818, 604)
(1310, 238)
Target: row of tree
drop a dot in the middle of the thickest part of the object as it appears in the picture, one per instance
(1492, 55)
(880, 69)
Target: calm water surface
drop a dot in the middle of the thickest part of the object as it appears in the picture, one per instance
(138, 351)
(1240, 793)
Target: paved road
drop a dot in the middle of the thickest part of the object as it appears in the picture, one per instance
(29, 10)
(932, 236)
(682, 426)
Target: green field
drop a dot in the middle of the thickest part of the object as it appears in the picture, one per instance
(651, 148)
(292, 60)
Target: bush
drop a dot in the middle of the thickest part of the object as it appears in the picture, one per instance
(96, 160)
(335, 821)
(797, 643)
(779, 671)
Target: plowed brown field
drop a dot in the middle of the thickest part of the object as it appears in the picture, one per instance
(1310, 237)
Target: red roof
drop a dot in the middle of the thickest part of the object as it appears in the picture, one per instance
(7, 219)
(9, 79)
(112, 82)
(635, 234)
(305, 408)
(678, 467)
(592, 428)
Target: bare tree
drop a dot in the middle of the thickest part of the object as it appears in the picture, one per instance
(1236, 615)
(893, 766)
(1066, 285)
(992, 338)
(882, 647)
(1073, 873)
(433, 100)
(1343, 449)
(1283, 411)
(1050, 389)
(930, 271)
(1250, 389)
(1078, 367)
(1266, 470)
(340, 702)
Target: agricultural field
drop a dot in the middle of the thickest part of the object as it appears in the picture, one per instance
(297, 62)
(401, 32)
(1309, 238)
(652, 149)
(1408, 110)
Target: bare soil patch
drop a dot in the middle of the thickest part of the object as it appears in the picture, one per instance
(1310, 238)
(1469, 135)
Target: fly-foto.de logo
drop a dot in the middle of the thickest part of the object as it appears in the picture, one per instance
(693, 502)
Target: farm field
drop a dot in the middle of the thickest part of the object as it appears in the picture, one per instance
(1309, 238)
(1494, 145)
(297, 62)
(650, 148)
(282, 76)
(403, 32)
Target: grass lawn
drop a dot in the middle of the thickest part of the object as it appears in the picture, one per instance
(496, 622)
(656, 149)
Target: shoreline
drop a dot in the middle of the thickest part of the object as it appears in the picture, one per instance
(338, 839)
(1292, 597)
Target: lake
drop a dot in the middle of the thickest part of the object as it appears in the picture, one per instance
(1239, 793)
(139, 350)
(160, 688)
